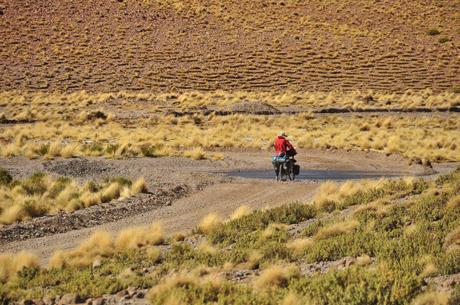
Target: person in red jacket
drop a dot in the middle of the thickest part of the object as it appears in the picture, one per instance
(284, 150)
(282, 145)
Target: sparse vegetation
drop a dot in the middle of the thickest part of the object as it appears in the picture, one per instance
(200, 78)
(434, 32)
(389, 264)
(198, 136)
(40, 195)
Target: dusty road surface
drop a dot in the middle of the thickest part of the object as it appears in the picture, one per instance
(205, 184)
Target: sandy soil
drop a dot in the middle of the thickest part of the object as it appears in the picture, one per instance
(210, 190)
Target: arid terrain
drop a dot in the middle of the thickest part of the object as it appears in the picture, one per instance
(171, 45)
(136, 139)
(190, 191)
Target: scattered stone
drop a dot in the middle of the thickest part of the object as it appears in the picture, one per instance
(69, 298)
(323, 267)
(97, 263)
(444, 282)
(415, 161)
(254, 108)
(79, 167)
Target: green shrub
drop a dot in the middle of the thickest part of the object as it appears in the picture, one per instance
(443, 40)
(434, 32)
(35, 184)
(5, 177)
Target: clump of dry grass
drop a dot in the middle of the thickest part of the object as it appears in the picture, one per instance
(275, 276)
(293, 299)
(195, 154)
(10, 264)
(177, 280)
(364, 260)
(209, 223)
(272, 229)
(133, 238)
(139, 186)
(252, 261)
(452, 240)
(111, 192)
(454, 202)
(205, 247)
(431, 298)
(299, 245)
(331, 193)
(241, 211)
(100, 244)
(335, 229)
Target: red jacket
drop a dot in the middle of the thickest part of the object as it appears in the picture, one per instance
(282, 145)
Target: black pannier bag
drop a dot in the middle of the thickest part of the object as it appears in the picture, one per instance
(296, 169)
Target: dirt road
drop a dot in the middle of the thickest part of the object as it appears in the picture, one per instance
(211, 189)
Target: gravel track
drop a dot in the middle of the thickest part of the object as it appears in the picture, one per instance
(182, 192)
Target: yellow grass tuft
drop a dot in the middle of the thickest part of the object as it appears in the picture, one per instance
(111, 192)
(454, 202)
(206, 248)
(330, 193)
(336, 229)
(99, 244)
(154, 254)
(211, 222)
(54, 150)
(430, 269)
(164, 289)
(275, 276)
(13, 213)
(293, 299)
(431, 298)
(70, 151)
(299, 245)
(10, 264)
(253, 260)
(452, 239)
(133, 238)
(272, 229)
(139, 186)
(243, 210)
(90, 199)
(195, 154)
(364, 260)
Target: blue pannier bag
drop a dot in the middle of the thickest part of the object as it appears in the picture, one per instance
(279, 159)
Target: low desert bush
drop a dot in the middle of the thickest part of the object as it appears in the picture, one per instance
(5, 177)
(434, 32)
(390, 266)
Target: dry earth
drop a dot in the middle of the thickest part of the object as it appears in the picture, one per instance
(170, 45)
(183, 191)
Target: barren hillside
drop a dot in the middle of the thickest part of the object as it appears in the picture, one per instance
(172, 45)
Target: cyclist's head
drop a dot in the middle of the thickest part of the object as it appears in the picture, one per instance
(282, 134)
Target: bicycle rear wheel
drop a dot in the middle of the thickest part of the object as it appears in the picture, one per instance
(290, 170)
